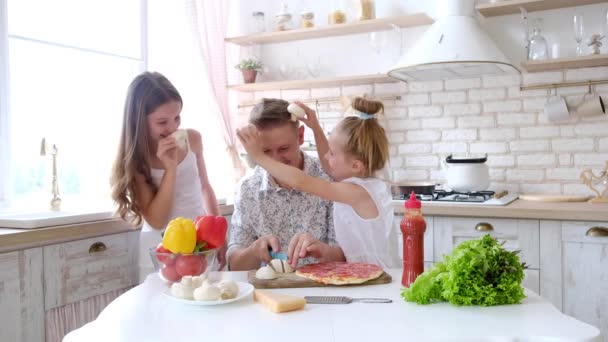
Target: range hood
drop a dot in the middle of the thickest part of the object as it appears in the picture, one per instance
(454, 47)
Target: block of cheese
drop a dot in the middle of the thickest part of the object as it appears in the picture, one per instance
(277, 302)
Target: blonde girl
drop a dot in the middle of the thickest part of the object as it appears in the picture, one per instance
(356, 150)
(153, 178)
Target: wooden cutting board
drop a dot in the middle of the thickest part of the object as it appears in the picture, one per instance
(553, 198)
(290, 280)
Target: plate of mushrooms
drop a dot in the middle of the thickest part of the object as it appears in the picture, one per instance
(199, 291)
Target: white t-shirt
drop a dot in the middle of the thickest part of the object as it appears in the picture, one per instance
(373, 240)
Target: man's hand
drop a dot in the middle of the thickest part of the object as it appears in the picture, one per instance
(259, 248)
(221, 256)
(303, 245)
(250, 138)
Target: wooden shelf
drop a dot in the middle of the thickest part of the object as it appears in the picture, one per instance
(381, 24)
(566, 63)
(313, 83)
(504, 7)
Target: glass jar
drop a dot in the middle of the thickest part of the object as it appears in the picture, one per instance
(282, 20)
(366, 10)
(538, 49)
(337, 14)
(258, 23)
(308, 20)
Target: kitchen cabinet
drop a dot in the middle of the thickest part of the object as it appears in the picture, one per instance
(82, 269)
(21, 296)
(37, 283)
(518, 234)
(574, 266)
(428, 239)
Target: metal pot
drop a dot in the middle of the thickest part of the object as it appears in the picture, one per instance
(466, 174)
(420, 188)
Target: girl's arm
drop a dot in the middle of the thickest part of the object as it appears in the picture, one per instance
(209, 199)
(312, 122)
(348, 193)
(155, 208)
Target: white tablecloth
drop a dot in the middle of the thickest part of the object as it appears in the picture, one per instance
(144, 314)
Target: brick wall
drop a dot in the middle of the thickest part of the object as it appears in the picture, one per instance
(526, 152)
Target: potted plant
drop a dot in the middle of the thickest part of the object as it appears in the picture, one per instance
(249, 67)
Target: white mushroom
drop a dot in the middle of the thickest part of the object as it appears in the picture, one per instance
(265, 273)
(228, 289)
(281, 266)
(296, 111)
(207, 293)
(180, 291)
(197, 281)
(181, 137)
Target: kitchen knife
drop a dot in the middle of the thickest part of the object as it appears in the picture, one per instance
(343, 300)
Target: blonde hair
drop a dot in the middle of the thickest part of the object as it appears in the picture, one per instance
(146, 93)
(366, 139)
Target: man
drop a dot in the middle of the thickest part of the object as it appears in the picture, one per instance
(268, 216)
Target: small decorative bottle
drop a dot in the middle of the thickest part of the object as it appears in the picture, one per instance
(538, 50)
(413, 227)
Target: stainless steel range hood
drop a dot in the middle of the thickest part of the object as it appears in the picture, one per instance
(454, 47)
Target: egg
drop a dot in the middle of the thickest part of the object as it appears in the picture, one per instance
(296, 111)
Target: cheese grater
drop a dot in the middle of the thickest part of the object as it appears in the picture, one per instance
(343, 300)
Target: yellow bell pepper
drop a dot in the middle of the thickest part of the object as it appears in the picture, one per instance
(180, 236)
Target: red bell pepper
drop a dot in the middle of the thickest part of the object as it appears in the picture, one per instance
(211, 230)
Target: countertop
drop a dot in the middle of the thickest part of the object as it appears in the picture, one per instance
(573, 211)
(18, 239)
(145, 314)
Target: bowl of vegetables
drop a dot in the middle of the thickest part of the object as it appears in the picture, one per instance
(172, 267)
(189, 247)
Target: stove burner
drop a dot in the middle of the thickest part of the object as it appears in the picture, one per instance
(452, 196)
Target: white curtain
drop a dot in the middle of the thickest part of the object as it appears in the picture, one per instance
(208, 22)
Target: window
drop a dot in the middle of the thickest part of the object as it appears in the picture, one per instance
(69, 64)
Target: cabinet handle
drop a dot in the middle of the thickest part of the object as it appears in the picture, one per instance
(484, 227)
(597, 232)
(97, 247)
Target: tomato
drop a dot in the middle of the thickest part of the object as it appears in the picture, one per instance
(190, 265)
(212, 230)
(164, 255)
(170, 273)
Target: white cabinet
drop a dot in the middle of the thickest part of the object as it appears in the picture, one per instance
(522, 235)
(428, 238)
(574, 266)
(82, 269)
(21, 296)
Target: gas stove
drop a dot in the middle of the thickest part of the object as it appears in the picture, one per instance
(472, 198)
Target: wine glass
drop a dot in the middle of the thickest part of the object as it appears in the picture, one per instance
(377, 41)
(578, 33)
(314, 67)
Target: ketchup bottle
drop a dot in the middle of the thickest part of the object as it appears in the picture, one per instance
(412, 228)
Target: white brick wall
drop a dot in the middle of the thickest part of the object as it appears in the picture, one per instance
(526, 152)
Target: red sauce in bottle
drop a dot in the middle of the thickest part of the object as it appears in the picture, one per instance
(413, 227)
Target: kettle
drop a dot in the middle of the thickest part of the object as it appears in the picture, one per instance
(466, 174)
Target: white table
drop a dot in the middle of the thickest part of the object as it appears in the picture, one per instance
(144, 314)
